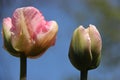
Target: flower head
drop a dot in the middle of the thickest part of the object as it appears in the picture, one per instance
(28, 32)
(85, 48)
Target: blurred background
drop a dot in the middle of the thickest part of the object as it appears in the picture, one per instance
(55, 64)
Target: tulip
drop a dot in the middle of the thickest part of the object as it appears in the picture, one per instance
(28, 32)
(85, 49)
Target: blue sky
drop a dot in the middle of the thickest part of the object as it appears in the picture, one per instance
(54, 64)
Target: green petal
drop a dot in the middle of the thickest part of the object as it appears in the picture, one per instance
(7, 36)
(80, 49)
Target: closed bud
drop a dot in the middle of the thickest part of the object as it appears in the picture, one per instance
(85, 48)
(28, 32)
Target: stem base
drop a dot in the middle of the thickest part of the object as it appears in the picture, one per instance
(84, 74)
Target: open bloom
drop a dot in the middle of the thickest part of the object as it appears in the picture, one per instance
(85, 48)
(28, 32)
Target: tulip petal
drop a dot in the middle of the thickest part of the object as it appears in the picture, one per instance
(7, 24)
(81, 40)
(80, 49)
(6, 28)
(44, 41)
(21, 39)
(96, 45)
(34, 20)
(95, 38)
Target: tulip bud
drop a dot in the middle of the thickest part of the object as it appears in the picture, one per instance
(85, 48)
(28, 32)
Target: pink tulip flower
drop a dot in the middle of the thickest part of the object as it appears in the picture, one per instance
(28, 32)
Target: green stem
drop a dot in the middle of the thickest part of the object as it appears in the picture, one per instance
(23, 66)
(84, 74)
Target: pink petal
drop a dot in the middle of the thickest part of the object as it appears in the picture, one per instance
(21, 35)
(6, 28)
(34, 20)
(7, 22)
(16, 20)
